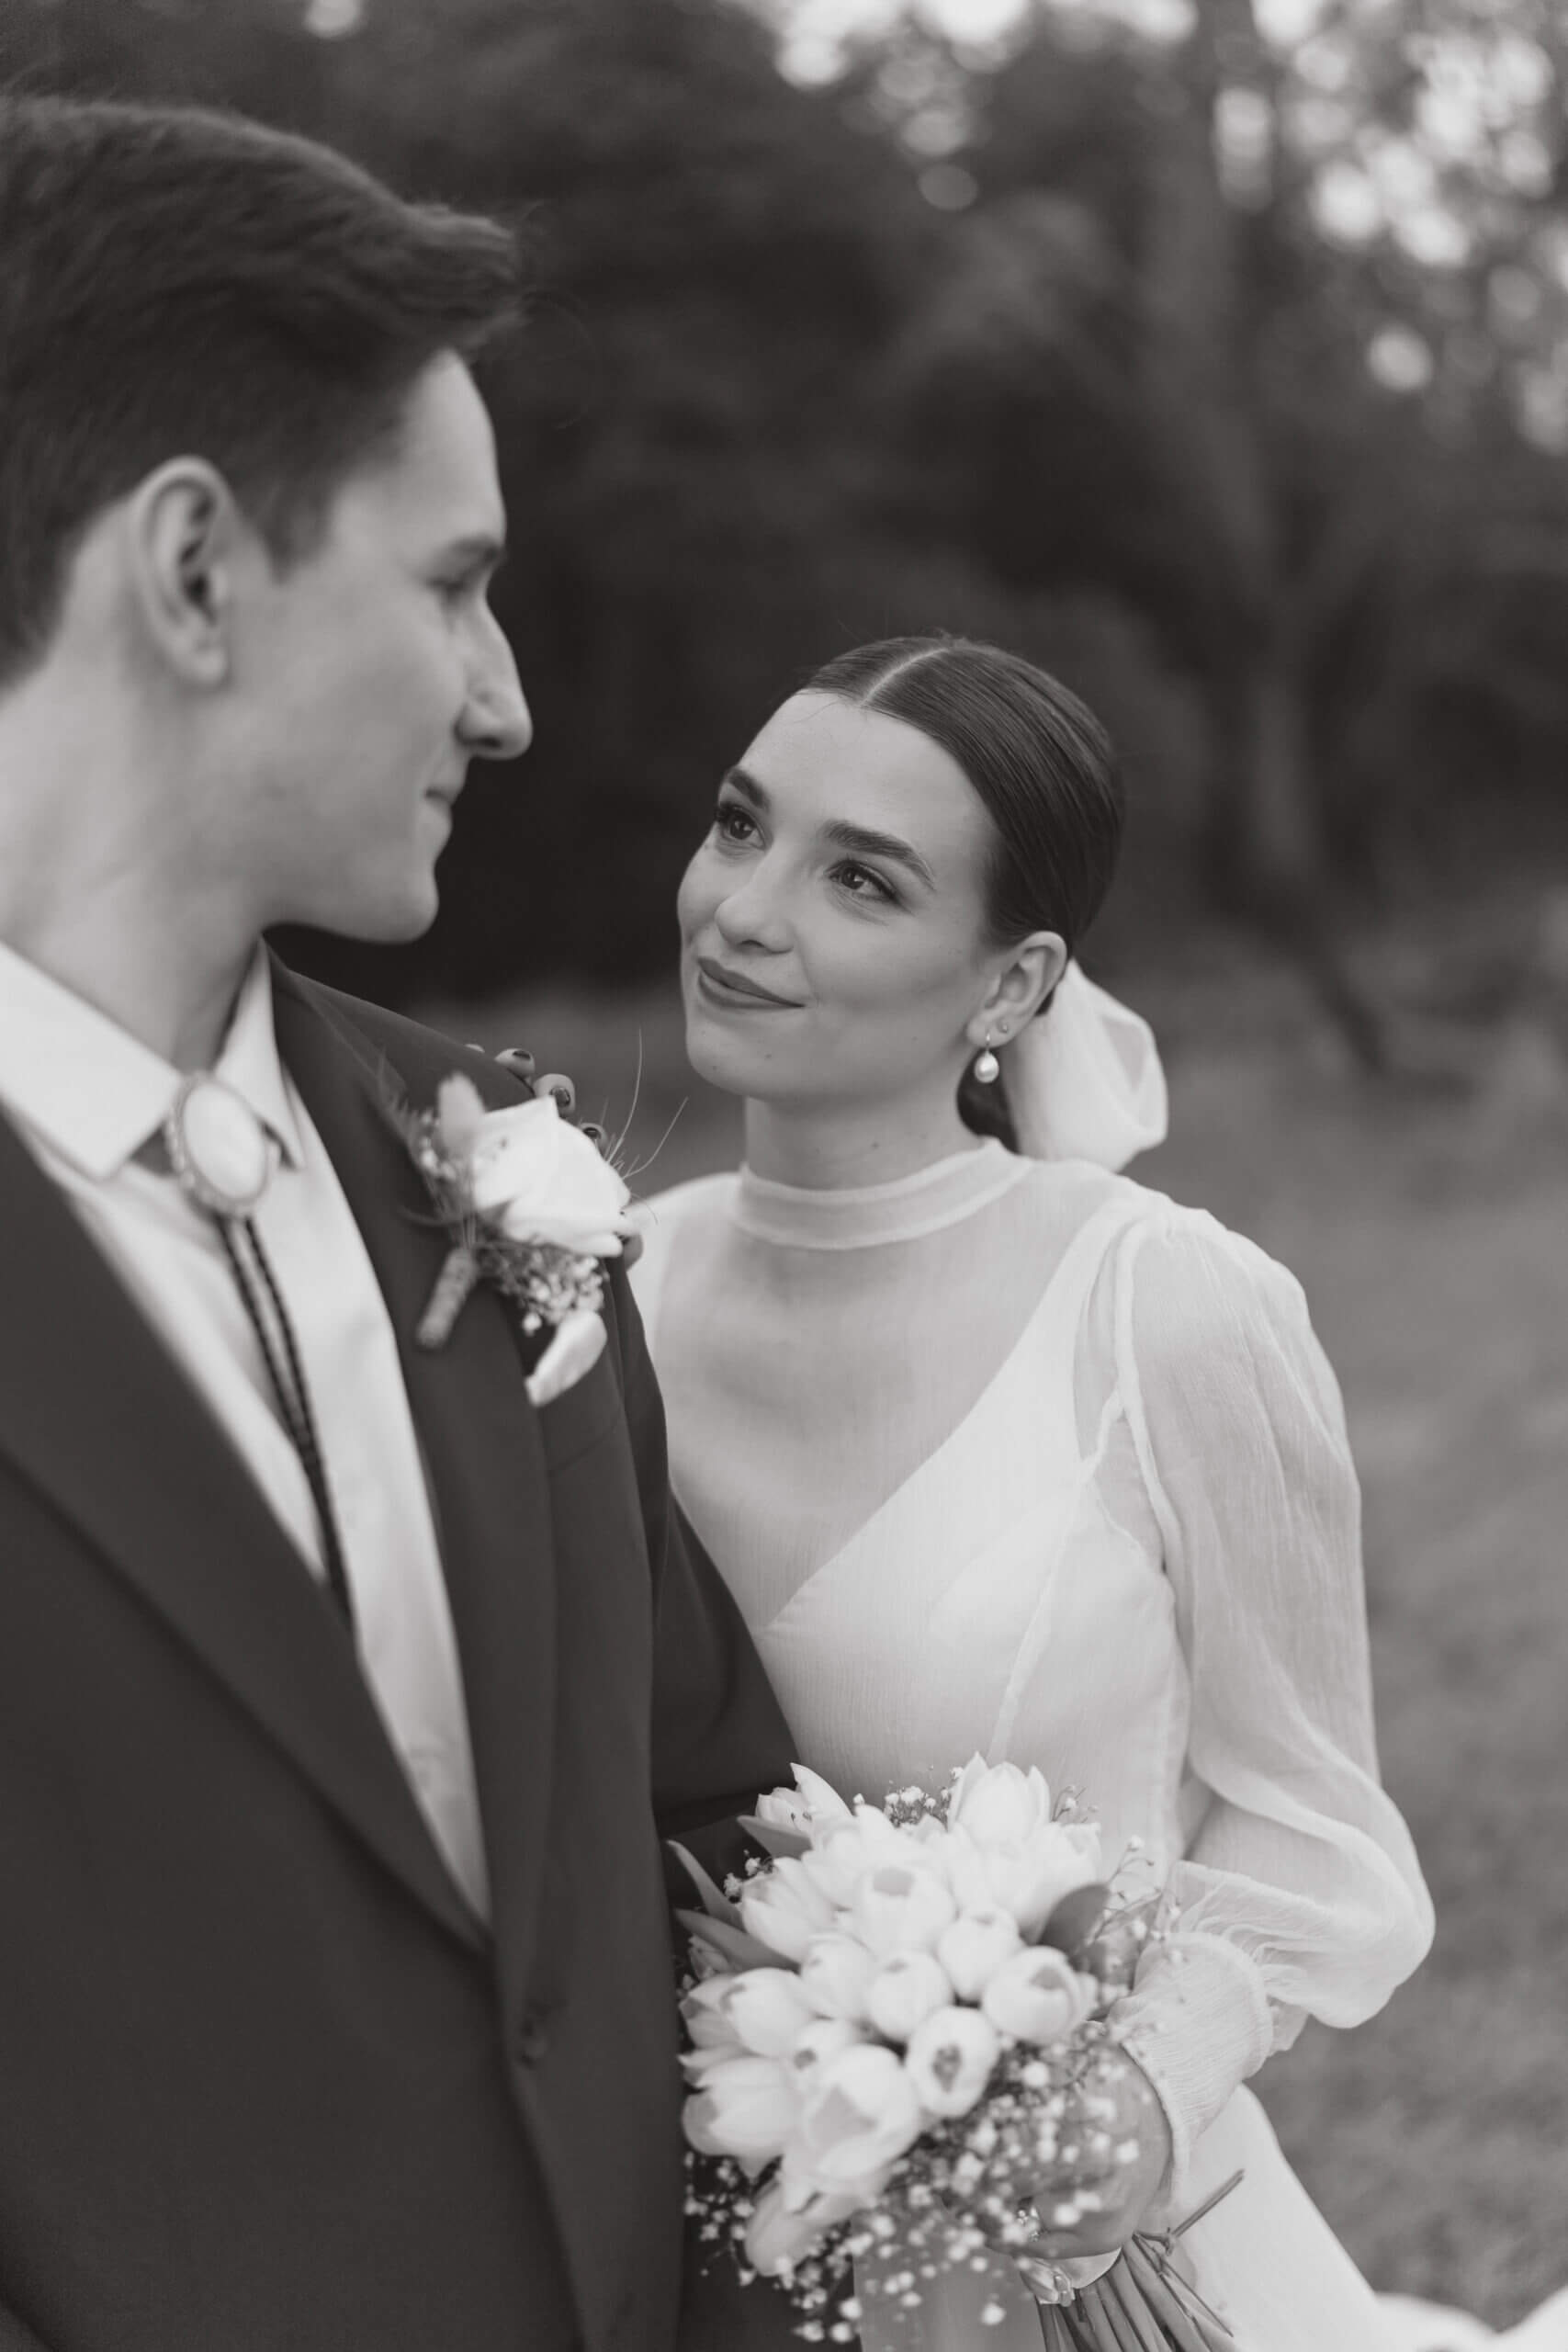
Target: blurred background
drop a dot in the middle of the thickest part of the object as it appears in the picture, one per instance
(1214, 353)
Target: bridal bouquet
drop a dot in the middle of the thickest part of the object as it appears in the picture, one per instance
(900, 2058)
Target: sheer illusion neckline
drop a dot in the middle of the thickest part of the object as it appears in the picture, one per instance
(796, 1216)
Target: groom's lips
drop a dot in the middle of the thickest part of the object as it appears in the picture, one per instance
(730, 985)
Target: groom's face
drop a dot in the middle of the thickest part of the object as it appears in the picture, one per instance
(368, 675)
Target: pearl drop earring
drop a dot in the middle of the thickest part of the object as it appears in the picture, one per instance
(987, 1069)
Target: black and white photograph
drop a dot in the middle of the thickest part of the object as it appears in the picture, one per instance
(783, 1175)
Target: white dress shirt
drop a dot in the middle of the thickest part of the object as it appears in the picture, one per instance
(85, 1097)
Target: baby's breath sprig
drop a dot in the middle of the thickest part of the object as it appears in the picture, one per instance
(998, 2164)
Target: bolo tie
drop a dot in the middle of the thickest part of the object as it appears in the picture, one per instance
(223, 1160)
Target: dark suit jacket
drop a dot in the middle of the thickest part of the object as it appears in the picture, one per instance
(266, 2084)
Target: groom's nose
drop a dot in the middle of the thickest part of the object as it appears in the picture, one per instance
(496, 722)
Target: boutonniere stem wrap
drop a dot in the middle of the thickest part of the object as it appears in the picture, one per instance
(530, 1205)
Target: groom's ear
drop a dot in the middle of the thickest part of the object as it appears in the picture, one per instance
(185, 541)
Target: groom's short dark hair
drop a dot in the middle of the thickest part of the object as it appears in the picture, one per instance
(174, 283)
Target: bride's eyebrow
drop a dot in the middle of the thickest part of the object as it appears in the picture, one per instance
(859, 839)
(862, 842)
(739, 780)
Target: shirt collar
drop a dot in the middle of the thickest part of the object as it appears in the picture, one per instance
(250, 1064)
(92, 1093)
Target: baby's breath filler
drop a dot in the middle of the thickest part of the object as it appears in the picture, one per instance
(542, 1281)
(904, 2065)
(530, 1203)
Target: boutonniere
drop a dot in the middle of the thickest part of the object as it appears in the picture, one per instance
(531, 1206)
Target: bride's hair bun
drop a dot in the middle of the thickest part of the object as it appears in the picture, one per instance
(1043, 765)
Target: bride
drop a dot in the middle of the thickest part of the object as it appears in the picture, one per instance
(1000, 1451)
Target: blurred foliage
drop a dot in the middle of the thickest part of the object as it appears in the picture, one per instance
(1213, 352)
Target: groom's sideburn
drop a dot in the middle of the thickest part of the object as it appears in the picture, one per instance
(291, 2094)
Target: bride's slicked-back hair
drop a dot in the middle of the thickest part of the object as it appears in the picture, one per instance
(1044, 770)
(177, 283)
(1041, 763)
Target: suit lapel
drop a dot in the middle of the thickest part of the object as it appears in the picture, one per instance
(99, 1416)
(483, 1453)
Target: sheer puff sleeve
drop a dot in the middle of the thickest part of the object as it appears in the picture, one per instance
(1300, 1893)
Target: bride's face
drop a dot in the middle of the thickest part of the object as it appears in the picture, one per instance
(833, 933)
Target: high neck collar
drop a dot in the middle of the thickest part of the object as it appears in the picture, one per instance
(796, 1216)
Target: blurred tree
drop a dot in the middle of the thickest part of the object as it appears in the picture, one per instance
(719, 258)
(1262, 317)
(1215, 352)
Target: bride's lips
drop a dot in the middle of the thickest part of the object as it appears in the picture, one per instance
(719, 986)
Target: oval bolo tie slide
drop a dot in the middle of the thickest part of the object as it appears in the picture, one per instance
(218, 1147)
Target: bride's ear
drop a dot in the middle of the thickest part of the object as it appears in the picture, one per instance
(1020, 986)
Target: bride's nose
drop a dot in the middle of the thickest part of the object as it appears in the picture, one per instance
(754, 915)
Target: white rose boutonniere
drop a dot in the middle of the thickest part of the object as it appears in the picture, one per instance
(533, 1207)
(541, 1180)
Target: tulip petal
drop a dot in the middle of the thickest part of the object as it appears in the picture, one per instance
(777, 2238)
(775, 1839)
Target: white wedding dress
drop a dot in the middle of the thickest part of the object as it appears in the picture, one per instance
(1020, 1457)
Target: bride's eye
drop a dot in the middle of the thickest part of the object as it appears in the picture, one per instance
(734, 824)
(861, 883)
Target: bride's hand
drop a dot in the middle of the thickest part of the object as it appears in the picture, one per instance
(1127, 2193)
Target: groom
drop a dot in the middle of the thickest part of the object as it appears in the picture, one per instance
(340, 1708)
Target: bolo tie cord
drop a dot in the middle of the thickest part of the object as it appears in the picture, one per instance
(287, 1373)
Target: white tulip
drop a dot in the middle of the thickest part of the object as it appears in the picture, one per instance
(706, 2017)
(836, 1973)
(789, 1821)
(784, 1910)
(713, 2039)
(999, 1803)
(768, 2009)
(905, 1991)
(901, 1906)
(822, 1801)
(784, 1809)
(1036, 1996)
(747, 2108)
(974, 1947)
(823, 2039)
(1028, 1879)
(842, 1854)
(858, 2114)
(778, 2237)
(950, 2060)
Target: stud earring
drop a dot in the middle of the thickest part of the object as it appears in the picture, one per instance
(987, 1069)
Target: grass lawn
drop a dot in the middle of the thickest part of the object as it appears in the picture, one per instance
(1432, 1236)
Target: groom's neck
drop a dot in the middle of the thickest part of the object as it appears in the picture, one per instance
(168, 996)
(105, 894)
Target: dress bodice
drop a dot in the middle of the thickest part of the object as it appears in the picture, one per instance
(1022, 1458)
(993, 1603)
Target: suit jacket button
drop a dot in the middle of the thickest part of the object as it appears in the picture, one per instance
(533, 2039)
